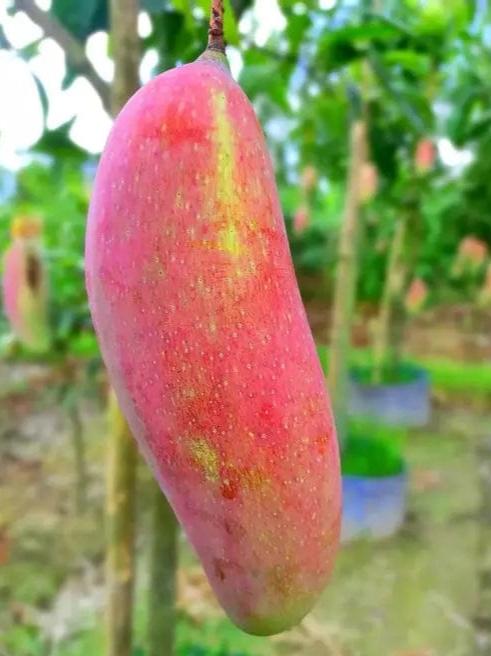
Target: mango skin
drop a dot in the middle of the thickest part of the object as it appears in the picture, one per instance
(203, 332)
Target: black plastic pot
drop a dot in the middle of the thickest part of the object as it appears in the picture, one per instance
(402, 404)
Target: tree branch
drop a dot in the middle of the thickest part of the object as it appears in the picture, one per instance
(73, 49)
(126, 49)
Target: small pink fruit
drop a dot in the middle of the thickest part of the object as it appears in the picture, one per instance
(309, 178)
(473, 249)
(368, 182)
(425, 156)
(471, 256)
(416, 296)
(301, 219)
(25, 285)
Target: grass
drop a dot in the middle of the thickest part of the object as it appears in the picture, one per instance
(446, 375)
(452, 376)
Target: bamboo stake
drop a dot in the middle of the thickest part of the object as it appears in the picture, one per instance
(121, 481)
(395, 278)
(120, 518)
(79, 455)
(163, 565)
(345, 289)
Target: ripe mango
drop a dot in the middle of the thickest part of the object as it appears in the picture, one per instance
(24, 279)
(207, 345)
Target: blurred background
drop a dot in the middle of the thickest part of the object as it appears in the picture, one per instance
(378, 118)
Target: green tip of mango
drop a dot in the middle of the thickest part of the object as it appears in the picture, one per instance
(216, 57)
(264, 625)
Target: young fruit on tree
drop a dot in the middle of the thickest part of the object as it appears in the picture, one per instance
(25, 295)
(206, 341)
(416, 296)
(425, 156)
(471, 256)
(309, 178)
(301, 219)
(368, 182)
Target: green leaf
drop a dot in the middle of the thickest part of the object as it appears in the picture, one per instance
(84, 345)
(297, 25)
(58, 144)
(230, 24)
(81, 18)
(69, 77)
(231, 30)
(265, 79)
(185, 7)
(458, 122)
(43, 96)
(409, 101)
(4, 43)
(479, 128)
(414, 62)
(365, 33)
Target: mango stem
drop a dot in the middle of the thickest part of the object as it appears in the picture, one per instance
(216, 39)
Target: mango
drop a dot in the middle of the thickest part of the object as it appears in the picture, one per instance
(368, 182)
(425, 155)
(301, 219)
(205, 338)
(309, 178)
(24, 279)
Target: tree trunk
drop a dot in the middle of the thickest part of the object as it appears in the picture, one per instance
(125, 43)
(121, 483)
(345, 290)
(163, 565)
(120, 517)
(388, 327)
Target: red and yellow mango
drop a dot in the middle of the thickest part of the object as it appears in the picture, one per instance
(206, 341)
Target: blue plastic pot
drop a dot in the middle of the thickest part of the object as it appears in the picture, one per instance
(400, 404)
(373, 507)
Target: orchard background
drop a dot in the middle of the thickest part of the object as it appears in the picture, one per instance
(378, 118)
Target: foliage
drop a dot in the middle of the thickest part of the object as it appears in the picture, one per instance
(372, 450)
(209, 638)
(56, 186)
(428, 76)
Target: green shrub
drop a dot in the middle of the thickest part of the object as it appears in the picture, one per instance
(373, 450)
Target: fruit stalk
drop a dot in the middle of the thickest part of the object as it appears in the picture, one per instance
(216, 39)
(121, 475)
